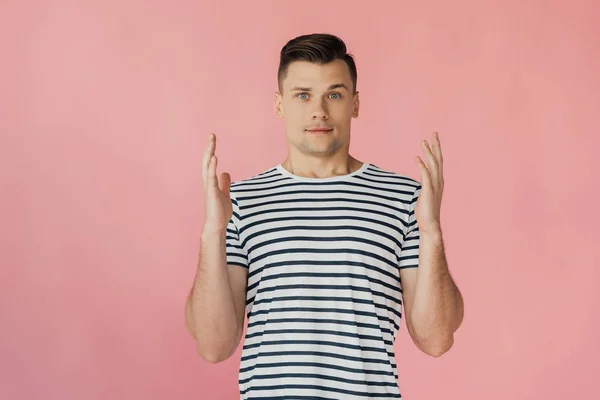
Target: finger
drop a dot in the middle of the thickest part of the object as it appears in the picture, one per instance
(208, 153)
(425, 177)
(211, 177)
(432, 165)
(437, 152)
(225, 183)
(436, 147)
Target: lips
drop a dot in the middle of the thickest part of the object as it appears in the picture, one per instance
(319, 130)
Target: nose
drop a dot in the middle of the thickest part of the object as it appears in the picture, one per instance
(320, 111)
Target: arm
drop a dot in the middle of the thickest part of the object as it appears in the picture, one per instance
(433, 304)
(215, 308)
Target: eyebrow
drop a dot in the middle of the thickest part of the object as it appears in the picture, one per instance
(307, 89)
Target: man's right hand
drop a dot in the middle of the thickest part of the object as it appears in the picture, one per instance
(215, 307)
(217, 203)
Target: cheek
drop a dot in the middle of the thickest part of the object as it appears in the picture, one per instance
(294, 114)
(342, 109)
(293, 121)
(341, 115)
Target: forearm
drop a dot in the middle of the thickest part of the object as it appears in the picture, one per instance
(210, 310)
(438, 306)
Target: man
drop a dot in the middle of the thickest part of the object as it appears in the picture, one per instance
(322, 250)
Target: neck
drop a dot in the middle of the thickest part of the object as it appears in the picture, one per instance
(321, 167)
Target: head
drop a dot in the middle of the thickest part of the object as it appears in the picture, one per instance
(317, 89)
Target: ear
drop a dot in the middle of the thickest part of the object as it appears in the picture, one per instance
(278, 106)
(356, 105)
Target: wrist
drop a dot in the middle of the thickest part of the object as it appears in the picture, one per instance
(434, 235)
(213, 231)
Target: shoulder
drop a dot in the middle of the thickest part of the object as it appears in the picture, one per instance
(387, 176)
(259, 180)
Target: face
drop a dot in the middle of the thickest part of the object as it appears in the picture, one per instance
(317, 104)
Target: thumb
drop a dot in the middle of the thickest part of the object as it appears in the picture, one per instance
(425, 176)
(225, 183)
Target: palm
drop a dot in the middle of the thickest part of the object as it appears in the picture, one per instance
(427, 209)
(423, 209)
(218, 207)
(217, 203)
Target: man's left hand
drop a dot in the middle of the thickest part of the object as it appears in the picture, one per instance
(429, 203)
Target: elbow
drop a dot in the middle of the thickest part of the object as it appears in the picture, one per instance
(217, 349)
(432, 343)
(214, 355)
(213, 348)
(439, 347)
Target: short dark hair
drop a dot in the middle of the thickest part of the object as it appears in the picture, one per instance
(318, 48)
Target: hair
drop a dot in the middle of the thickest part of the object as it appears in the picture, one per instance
(318, 48)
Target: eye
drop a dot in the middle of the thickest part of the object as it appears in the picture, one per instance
(303, 95)
(339, 96)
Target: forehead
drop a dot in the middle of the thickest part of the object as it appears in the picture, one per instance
(317, 76)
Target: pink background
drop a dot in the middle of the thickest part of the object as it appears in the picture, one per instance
(105, 107)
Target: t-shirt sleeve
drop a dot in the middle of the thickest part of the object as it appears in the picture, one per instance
(409, 254)
(236, 254)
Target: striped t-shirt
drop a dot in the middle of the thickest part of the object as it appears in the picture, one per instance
(324, 297)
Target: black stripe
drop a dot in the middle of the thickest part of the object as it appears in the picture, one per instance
(318, 342)
(321, 228)
(320, 376)
(324, 251)
(320, 354)
(326, 275)
(326, 263)
(327, 209)
(328, 287)
(321, 218)
(237, 264)
(262, 181)
(319, 321)
(273, 171)
(267, 332)
(288, 397)
(316, 364)
(292, 184)
(415, 257)
(392, 175)
(254, 313)
(332, 191)
(330, 200)
(394, 180)
(322, 239)
(324, 388)
(325, 298)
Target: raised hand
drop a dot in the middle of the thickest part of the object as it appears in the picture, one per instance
(428, 207)
(217, 203)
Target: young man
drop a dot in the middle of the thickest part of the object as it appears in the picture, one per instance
(321, 251)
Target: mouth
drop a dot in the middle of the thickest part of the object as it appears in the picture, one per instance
(319, 130)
